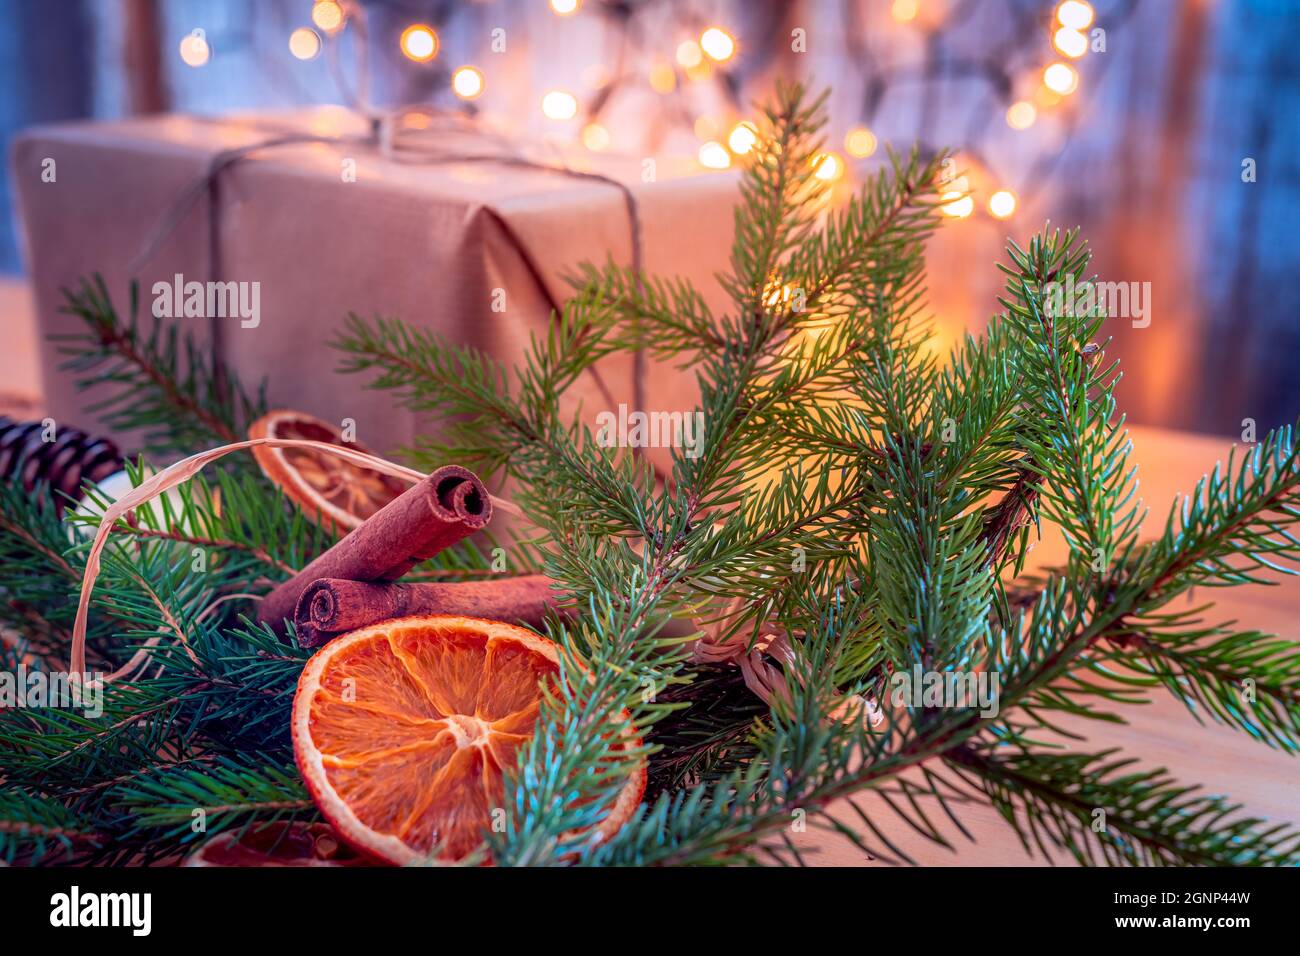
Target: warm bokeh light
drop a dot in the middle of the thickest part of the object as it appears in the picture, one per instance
(742, 138)
(1070, 42)
(718, 44)
(419, 43)
(1061, 78)
(595, 137)
(1075, 14)
(663, 78)
(467, 82)
(706, 127)
(904, 11)
(956, 205)
(327, 15)
(304, 43)
(560, 105)
(195, 50)
(714, 155)
(1021, 115)
(565, 8)
(860, 142)
(1002, 203)
(689, 54)
(829, 167)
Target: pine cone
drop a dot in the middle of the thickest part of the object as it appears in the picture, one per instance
(72, 459)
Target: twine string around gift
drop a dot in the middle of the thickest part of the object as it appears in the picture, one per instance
(395, 141)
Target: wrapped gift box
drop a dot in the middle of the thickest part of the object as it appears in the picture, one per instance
(326, 228)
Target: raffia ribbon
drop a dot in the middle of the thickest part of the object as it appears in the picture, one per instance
(177, 474)
(755, 661)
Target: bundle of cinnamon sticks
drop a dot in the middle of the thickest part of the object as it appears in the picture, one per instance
(355, 583)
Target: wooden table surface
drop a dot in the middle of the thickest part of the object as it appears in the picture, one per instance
(1162, 733)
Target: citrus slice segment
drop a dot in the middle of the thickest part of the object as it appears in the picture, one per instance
(278, 844)
(330, 491)
(403, 731)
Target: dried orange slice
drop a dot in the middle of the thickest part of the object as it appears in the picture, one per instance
(278, 844)
(330, 491)
(402, 731)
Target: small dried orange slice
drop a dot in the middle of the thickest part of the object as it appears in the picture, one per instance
(278, 844)
(402, 731)
(330, 491)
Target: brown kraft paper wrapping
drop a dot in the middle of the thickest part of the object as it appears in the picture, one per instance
(429, 517)
(331, 606)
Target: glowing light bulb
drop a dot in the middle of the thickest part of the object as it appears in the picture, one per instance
(467, 82)
(904, 11)
(1075, 14)
(327, 15)
(743, 138)
(565, 8)
(956, 205)
(829, 167)
(1070, 42)
(304, 43)
(1021, 115)
(860, 142)
(689, 54)
(1002, 203)
(1061, 78)
(706, 127)
(560, 105)
(595, 137)
(419, 43)
(718, 44)
(195, 51)
(663, 79)
(714, 155)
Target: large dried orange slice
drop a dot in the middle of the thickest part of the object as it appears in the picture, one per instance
(278, 844)
(402, 731)
(329, 490)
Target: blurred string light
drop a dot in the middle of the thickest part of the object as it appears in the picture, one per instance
(742, 138)
(829, 167)
(327, 15)
(860, 142)
(595, 137)
(718, 44)
(1070, 42)
(565, 8)
(714, 155)
(467, 82)
(956, 205)
(194, 49)
(663, 78)
(1002, 203)
(1075, 14)
(419, 42)
(304, 43)
(689, 54)
(1061, 78)
(904, 11)
(559, 105)
(1021, 114)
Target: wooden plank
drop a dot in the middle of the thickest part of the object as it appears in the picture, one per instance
(1161, 733)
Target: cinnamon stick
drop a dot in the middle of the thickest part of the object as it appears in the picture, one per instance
(427, 518)
(331, 606)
